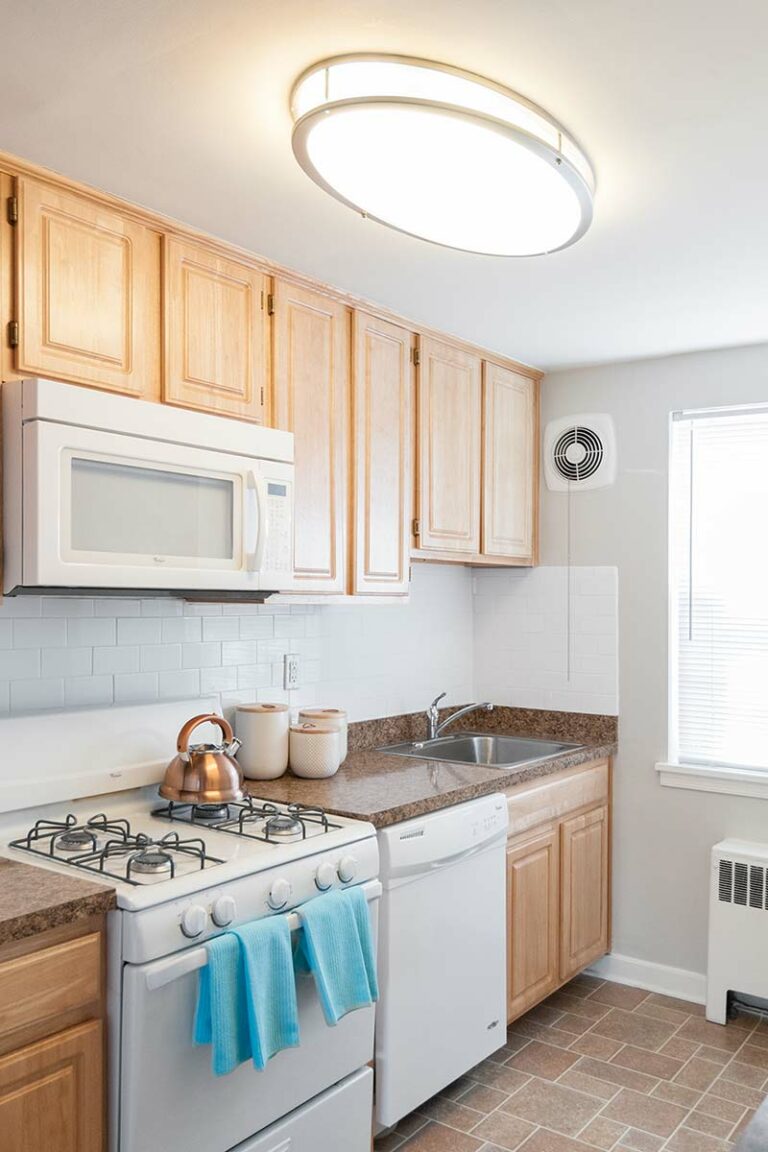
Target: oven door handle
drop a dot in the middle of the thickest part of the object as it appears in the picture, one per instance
(166, 971)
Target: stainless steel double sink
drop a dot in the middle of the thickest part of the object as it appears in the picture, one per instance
(478, 748)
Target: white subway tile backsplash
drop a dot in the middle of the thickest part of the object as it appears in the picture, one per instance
(67, 606)
(178, 685)
(240, 652)
(160, 657)
(36, 695)
(221, 628)
(91, 632)
(39, 633)
(218, 680)
(165, 607)
(144, 630)
(110, 606)
(135, 687)
(257, 627)
(255, 675)
(116, 659)
(88, 691)
(19, 663)
(66, 662)
(201, 655)
(184, 630)
(6, 634)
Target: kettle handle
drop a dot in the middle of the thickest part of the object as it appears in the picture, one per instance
(182, 743)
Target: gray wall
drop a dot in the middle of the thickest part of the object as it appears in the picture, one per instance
(662, 836)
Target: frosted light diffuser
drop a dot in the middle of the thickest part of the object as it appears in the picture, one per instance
(442, 155)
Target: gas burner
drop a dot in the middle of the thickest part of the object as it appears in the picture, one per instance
(208, 812)
(151, 862)
(76, 840)
(283, 825)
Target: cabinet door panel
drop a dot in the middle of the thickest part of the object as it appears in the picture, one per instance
(88, 293)
(585, 888)
(532, 921)
(510, 462)
(449, 449)
(216, 333)
(311, 399)
(382, 474)
(51, 1094)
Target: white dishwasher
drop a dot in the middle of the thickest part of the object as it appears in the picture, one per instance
(442, 951)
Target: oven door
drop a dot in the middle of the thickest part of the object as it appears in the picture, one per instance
(170, 1099)
(105, 510)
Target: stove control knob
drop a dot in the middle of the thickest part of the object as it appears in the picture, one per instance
(194, 920)
(325, 876)
(347, 869)
(279, 893)
(223, 911)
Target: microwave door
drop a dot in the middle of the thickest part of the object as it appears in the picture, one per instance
(105, 510)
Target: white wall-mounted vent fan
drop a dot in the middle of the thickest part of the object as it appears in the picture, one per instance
(579, 453)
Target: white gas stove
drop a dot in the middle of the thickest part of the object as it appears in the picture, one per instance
(183, 875)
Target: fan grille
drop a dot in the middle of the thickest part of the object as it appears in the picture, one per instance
(578, 453)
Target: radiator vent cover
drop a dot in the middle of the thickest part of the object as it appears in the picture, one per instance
(742, 884)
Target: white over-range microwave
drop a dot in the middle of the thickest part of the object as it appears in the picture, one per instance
(103, 493)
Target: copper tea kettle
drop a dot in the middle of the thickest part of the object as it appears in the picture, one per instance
(204, 773)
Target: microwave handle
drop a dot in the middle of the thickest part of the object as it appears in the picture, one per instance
(256, 494)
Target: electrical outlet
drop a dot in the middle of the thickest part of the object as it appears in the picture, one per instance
(291, 670)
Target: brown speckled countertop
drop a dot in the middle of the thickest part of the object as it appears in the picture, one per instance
(384, 789)
(34, 899)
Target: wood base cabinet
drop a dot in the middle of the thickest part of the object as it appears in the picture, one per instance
(558, 882)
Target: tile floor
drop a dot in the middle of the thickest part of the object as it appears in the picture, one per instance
(601, 1065)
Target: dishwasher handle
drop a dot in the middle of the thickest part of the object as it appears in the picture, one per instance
(423, 868)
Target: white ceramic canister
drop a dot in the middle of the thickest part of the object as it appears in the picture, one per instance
(263, 730)
(329, 718)
(314, 751)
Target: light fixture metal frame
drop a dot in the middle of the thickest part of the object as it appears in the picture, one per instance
(303, 125)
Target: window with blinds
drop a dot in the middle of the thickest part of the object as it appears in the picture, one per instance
(719, 587)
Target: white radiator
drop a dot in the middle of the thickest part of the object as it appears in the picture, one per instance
(738, 924)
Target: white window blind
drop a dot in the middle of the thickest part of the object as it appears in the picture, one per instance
(719, 588)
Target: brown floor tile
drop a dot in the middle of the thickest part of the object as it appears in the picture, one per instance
(553, 1106)
(716, 1035)
(514, 1043)
(543, 1014)
(686, 1006)
(528, 1028)
(499, 1076)
(745, 1120)
(624, 1077)
(583, 985)
(438, 1138)
(724, 1109)
(758, 1057)
(737, 1093)
(758, 1038)
(602, 1133)
(657, 1013)
(410, 1124)
(679, 1049)
(388, 1143)
(684, 1140)
(504, 1131)
(709, 1125)
(653, 1064)
(676, 1094)
(544, 1141)
(746, 1074)
(645, 1112)
(452, 1091)
(583, 1007)
(483, 1098)
(716, 1055)
(619, 996)
(698, 1074)
(589, 1085)
(570, 1022)
(451, 1113)
(640, 1141)
(632, 1028)
(543, 1060)
(600, 1047)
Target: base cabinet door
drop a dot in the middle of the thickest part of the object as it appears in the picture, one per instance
(88, 293)
(311, 399)
(216, 333)
(381, 470)
(532, 920)
(510, 464)
(584, 864)
(448, 454)
(51, 1095)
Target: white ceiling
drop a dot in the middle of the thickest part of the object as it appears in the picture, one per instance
(182, 105)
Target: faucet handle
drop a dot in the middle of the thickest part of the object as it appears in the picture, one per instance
(437, 700)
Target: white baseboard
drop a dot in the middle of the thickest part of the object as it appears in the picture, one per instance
(662, 978)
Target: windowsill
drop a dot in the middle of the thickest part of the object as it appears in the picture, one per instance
(705, 778)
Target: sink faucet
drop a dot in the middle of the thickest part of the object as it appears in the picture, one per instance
(433, 715)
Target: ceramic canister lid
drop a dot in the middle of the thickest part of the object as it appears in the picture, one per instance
(262, 707)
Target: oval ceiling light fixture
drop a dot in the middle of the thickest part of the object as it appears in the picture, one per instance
(441, 154)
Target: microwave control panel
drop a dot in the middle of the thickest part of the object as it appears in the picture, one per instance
(279, 549)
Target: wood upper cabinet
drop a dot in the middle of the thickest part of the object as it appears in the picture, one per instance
(448, 452)
(585, 890)
(88, 292)
(381, 469)
(51, 1094)
(216, 332)
(533, 914)
(311, 399)
(510, 463)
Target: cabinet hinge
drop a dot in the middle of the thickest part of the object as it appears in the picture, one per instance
(12, 209)
(416, 527)
(13, 334)
(262, 395)
(270, 304)
(415, 355)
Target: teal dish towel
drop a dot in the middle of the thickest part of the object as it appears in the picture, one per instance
(336, 946)
(221, 1017)
(270, 983)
